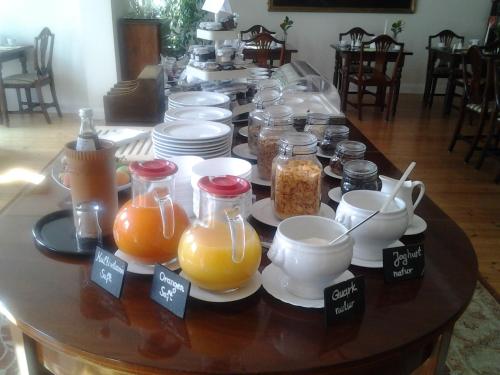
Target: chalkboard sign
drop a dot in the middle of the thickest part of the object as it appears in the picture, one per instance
(108, 272)
(345, 300)
(403, 263)
(170, 290)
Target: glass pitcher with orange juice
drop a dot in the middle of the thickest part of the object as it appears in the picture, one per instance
(149, 226)
(221, 251)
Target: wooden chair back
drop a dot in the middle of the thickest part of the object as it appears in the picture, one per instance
(379, 62)
(446, 36)
(254, 30)
(356, 33)
(263, 43)
(473, 70)
(44, 47)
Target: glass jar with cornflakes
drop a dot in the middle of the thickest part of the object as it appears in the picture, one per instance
(279, 121)
(296, 177)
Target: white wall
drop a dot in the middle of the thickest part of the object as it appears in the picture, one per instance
(84, 61)
(312, 33)
(23, 20)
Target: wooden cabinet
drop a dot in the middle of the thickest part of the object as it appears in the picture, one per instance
(140, 45)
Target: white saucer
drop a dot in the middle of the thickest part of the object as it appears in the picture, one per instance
(274, 282)
(418, 225)
(321, 155)
(256, 179)
(141, 268)
(373, 263)
(243, 151)
(245, 291)
(263, 211)
(335, 194)
(243, 131)
(328, 171)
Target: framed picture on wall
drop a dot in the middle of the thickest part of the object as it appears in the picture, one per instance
(380, 6)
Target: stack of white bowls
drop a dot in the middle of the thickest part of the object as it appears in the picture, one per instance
(198, 98)
(200, 113)
(183, 190)
(206, 139)
(221, 167)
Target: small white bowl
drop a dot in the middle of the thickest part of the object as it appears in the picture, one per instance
(301, 249)
(220, 167)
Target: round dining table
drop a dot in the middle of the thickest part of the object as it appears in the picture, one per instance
(71, 325)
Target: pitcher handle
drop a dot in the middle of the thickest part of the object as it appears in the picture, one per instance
(421, 186)
(166, 211)
(237, 230)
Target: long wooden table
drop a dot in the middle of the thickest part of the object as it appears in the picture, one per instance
(8, 53)
(70, 324)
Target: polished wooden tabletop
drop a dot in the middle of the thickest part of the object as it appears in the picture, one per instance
(54, 302)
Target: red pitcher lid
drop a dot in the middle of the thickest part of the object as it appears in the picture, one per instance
(156, 168)
(224, 186)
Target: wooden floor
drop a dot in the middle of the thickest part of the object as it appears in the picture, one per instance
(468, 196)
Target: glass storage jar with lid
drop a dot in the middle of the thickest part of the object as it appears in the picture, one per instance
(317, 123)
(220, 251)
(333, 135)
(256, 118)
(345, 151)
(360, 175)
(296, 176)
(279, 121)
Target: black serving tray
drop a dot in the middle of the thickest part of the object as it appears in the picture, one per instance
(55, 232)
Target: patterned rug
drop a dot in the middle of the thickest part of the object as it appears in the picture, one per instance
(474, 347)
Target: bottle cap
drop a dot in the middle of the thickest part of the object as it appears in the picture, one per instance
(224, 186)
(154, 169)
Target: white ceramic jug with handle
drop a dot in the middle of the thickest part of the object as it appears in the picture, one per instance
(405, 193)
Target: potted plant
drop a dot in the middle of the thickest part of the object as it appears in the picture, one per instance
(285, 25)
(396, 28)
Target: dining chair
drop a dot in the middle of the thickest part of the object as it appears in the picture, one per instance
(354, 34)
(43, 75)
(254, 30)
(378, 76)
(475, 102)
(492, 136)
(263, 43)
(439, 68)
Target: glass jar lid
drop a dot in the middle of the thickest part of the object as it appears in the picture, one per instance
(153, 169)
(278, 112)
(360, 168)
(336, 130)
(352, 148)
(318, 119)
(224, 186)
(298, 144)
(266, 97)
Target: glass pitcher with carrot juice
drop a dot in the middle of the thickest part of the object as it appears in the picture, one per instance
(149, 226)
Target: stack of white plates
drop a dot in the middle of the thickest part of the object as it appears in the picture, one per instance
(199, 113)
(198, 98)
(206, 139)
